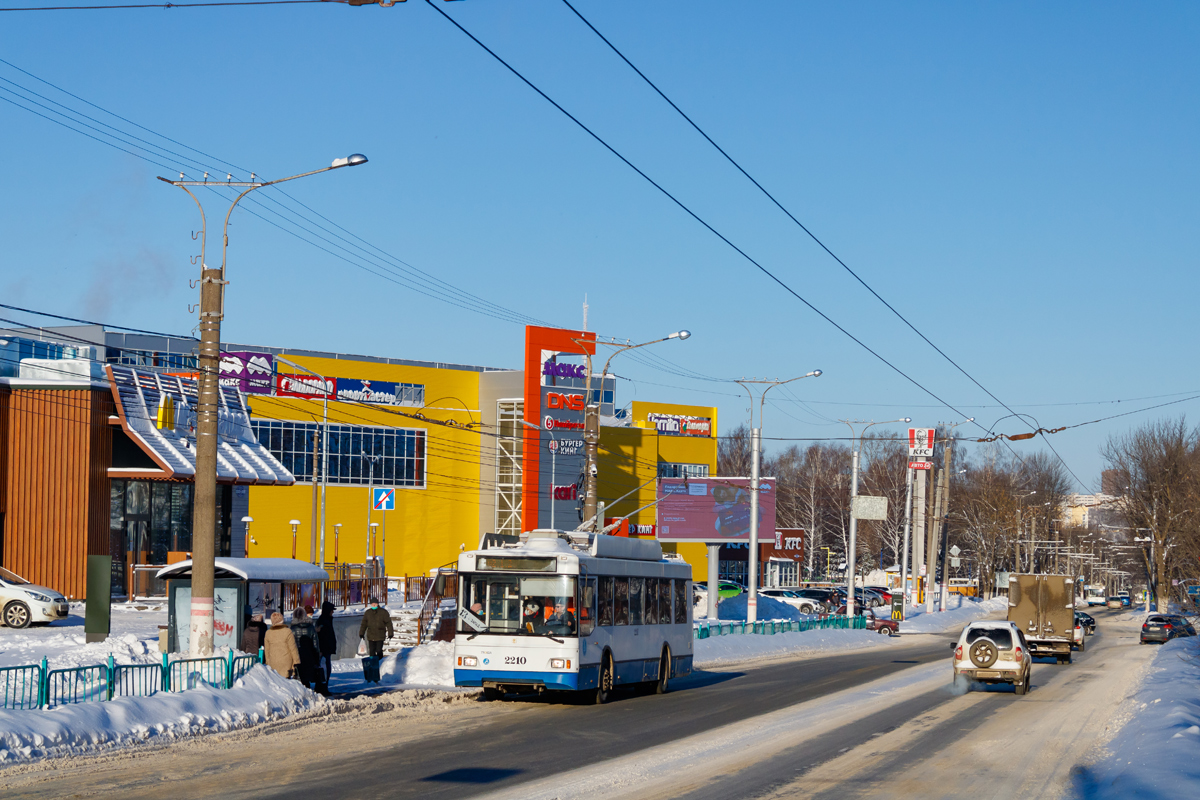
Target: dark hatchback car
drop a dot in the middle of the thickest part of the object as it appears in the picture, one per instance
(1087, 620)
(1165, 627)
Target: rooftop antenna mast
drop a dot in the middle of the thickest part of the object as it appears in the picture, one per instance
(585, 309)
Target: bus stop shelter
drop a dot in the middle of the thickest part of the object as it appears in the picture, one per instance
(263, 584)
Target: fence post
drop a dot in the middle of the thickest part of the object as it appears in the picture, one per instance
(229, 670)
(109, 683)
(44, 684)
(262, 658)
(166, 674)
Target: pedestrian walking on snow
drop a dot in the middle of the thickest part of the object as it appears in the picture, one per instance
(326, 638)
(306, 643)
(376, 626)
(279, 646)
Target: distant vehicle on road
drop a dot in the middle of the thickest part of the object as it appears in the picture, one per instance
(826, 597)
(1165, 627)
(1094, 595)
(1043, 609)
(1089, 622)
(24, 603)
(1126, 602)
(993, 652)
(1080, 634)
(1114, 602)
(883, 625)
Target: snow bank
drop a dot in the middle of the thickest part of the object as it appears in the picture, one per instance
(959, 611)
(259, 696)
(133, 640)
(734, 608)
(1154, 754)
(426, 666)
(744, 647)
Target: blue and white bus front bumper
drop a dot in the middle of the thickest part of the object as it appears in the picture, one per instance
(586, 678)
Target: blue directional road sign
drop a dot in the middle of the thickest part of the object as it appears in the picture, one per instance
(383, 499)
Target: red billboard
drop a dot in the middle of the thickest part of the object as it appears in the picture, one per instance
(714, 510)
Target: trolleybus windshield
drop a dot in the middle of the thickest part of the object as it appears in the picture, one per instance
(518, 605)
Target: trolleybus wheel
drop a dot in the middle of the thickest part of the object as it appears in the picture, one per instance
(664, 672)
(604, 685)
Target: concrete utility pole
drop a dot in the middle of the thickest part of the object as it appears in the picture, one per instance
(918, 535)
(591, 428)
(908, 492)
(855, 446)
(212, 311)
(931, 541)
(755, 457)
(945, 515)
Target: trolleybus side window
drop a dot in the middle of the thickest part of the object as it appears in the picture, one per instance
(664, 601)
(606, 601)
(681, 609)
(637, 590)
(587, 605)
(650, 617)
(621, 617)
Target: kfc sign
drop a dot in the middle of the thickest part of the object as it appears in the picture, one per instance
(572, 402)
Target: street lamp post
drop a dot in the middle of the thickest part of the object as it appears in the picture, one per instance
(855, 446)
(591, 429)
(324, 453)
(212, 311)
(755, 457)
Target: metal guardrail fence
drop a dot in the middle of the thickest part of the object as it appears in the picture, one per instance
(34, 686)
(706, 630)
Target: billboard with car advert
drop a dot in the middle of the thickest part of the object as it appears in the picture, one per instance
(714, 510)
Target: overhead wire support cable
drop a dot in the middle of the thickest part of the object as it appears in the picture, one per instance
(689, 211)
(172, 5)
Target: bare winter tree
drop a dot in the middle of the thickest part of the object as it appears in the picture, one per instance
(733, 453)
(1157, 472)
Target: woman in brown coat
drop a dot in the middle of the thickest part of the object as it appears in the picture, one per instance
(279, 647)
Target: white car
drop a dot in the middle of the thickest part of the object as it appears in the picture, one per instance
(22, 602)
(993, 652)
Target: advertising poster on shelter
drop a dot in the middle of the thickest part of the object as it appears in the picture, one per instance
(713, 509)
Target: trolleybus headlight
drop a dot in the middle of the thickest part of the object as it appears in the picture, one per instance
(558, 663)
(467, 661)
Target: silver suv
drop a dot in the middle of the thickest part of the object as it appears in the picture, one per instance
(993, 652)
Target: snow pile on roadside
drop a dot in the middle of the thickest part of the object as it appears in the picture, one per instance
(959, 611)
(1154, 754)
(258, 696)
(427, 665)
(734, 608)
(743, 647)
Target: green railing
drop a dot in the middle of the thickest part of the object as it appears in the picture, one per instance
(37, 686)
(21, 687)
(705, 630)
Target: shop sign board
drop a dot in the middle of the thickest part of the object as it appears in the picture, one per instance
(560, 479)
(919, 465)
(920, 443)
(387, 393)
(713, 509)
(680, 425)
(304, 386)
(249, 373)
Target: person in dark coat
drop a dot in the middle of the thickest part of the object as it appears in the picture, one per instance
(306, 643)
(376, 626)
(253, 633)
(326, 638)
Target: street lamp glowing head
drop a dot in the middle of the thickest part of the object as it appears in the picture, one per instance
(816, 373)
(907, 419)
(350, 161)
(680, 335)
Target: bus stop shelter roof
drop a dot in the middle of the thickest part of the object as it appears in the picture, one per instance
(273, 570)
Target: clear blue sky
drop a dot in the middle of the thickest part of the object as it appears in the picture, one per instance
(1018, 179)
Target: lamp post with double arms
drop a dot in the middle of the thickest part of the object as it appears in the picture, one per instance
(591, 428)
(855, 446)
(212, 311)
(755, 459)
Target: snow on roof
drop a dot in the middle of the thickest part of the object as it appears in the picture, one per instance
(253, 569)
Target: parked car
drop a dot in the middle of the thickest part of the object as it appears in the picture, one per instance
(825, 597)
(24, 603)
(993, 651)
(1126, 602)
(1079, 640)
(1089, 622)
(880, 623)
(1165, 627)
(885, 597)
(1114, 602)
(724, 589)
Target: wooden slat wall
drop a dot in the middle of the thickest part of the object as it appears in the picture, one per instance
(59, 450)
(4, 395)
